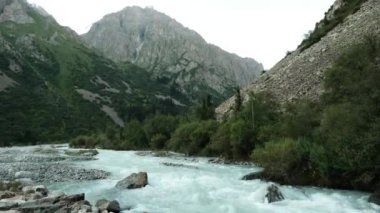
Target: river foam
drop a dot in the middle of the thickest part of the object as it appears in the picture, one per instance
(204, 187)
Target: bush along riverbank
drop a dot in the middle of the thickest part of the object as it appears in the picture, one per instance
(331, 143)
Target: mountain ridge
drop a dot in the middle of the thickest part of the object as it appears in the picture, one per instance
(55, 87)
(171, 51)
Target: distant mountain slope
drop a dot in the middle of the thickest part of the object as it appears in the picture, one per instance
(174, 54)
(53, 86)
(299, 75)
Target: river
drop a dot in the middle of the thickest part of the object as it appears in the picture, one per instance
(203, 187)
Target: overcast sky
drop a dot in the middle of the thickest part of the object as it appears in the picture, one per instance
(261, 29)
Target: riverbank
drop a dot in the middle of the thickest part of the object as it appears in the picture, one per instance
(44, 164)
(179, 183)
(17, 197)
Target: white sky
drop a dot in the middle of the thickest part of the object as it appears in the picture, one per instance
(260, 29)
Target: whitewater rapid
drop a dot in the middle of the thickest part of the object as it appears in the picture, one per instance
(203, 187)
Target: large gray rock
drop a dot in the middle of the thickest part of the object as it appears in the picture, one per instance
(170, 51)
(110, 206)
(135, 180)
(274, 194)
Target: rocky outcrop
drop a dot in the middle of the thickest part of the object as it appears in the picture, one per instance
(14, 10)
(134, 181)
(274, 194)
(300, 74)
(172, 52)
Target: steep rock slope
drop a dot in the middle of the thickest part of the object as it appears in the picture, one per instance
(53, 86)
(300, 74)
(174, 54)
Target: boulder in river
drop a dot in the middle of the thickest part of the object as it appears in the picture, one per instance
(41, 189)
(133, 181)
(28, 189)
(110, 206)
(274, 194)
(375, 198)
(6, 194)
(252, 176)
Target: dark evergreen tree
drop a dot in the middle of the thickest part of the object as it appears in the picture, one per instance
(238, 100)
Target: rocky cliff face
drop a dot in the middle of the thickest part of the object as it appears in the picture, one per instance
(173, 53)
(300, 74)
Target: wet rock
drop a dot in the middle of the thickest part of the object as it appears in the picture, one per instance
(110, 206)
(179, 165)
(80, 207)
(28, 189)
(82, 152)
(42, 208)
(220, 160)
(135, 180)
(167, 154)
(252, 176)
(41, 189)
(72, 198)
(375, 198)
(274, 194)
(6, 195)
(6, 206)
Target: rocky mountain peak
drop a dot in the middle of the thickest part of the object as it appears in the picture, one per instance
(171, 52)
(15, 11)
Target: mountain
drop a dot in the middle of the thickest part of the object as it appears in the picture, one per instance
(54, 86)
(299, 75)
(174, 54)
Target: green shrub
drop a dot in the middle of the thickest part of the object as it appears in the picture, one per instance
(160, 125)
(158, 141)
(241, 139)
(91, 141)
(192, 138)
(299, 120)
(278, 157)
(134, 136)
(220, 141)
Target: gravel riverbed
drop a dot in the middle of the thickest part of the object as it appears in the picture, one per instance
(44, 164)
